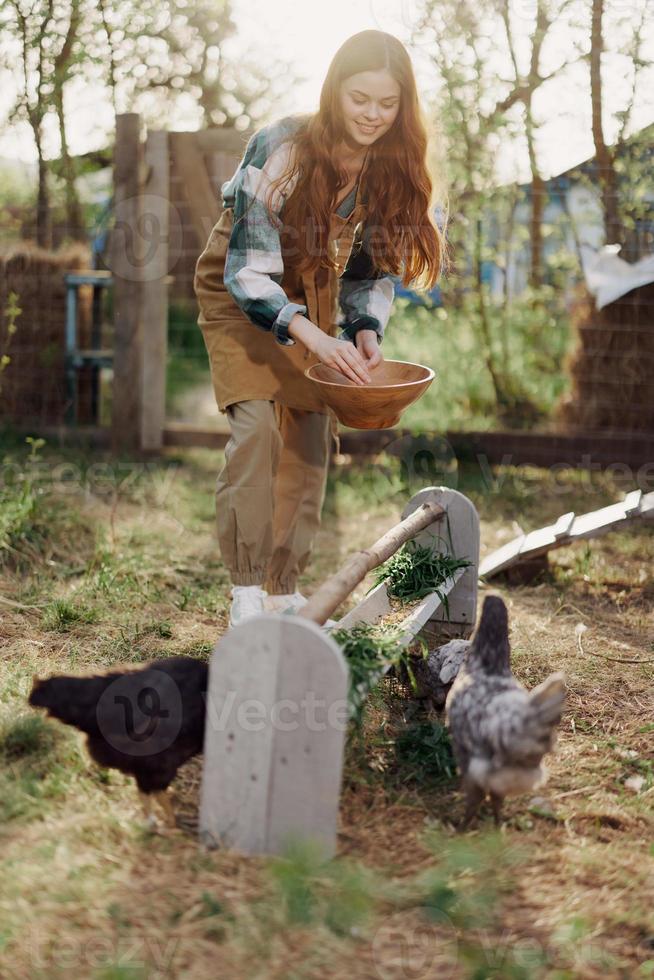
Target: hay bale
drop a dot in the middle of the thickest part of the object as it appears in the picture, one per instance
(612, 366)
(33, 386)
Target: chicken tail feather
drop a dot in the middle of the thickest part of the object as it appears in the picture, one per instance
(543, 715)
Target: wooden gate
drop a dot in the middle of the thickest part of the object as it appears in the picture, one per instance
(166, 201)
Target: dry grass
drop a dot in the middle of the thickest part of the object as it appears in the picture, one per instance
(86, 891)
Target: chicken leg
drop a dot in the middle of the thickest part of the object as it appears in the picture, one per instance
(474, 796)
(166, 804)
(496, 803)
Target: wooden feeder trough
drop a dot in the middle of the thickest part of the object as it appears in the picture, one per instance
(277, 711)
(379, 405)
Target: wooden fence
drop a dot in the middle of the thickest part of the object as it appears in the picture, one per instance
(166, 203)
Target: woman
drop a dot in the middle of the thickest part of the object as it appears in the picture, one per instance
(321, 212)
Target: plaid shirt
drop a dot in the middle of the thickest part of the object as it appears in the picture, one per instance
(254, 264)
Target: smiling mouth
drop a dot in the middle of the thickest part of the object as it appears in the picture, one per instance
(367, 129)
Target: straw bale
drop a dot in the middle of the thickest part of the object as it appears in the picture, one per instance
(612, 366)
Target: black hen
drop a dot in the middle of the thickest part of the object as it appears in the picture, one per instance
(500, 731)
(146, 723)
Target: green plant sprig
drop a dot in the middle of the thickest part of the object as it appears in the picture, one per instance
(369, 651)
(12, 311)
(415, 571)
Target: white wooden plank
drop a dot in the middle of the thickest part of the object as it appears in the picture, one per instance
(306, 765)
(243, 675)
(273, 745)
(597, 522)
(370, 609)
(647, 505)
(502, 557)
(538, 541)
(458, 535)
(632, 503)
(567, 529)
(562, 527)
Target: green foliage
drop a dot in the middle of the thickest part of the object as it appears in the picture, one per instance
(369, 651)
(22, 511)
(27, 735)
(12, 311)
(340, 894)
(424, 753)
(61, 615)
(122, 971)
(529, 340)
(415, 571)
(462, 890)
(38, 762)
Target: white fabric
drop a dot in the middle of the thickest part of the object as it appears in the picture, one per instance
(609, 277)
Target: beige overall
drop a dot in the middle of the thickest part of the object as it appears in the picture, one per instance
(270, 492)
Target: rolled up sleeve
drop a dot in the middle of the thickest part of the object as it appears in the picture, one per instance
(253, 263)
(365, 297)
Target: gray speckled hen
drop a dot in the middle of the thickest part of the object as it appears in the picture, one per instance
(500, 731)
(437, 672)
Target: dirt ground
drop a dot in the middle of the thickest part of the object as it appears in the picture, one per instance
(120, 565)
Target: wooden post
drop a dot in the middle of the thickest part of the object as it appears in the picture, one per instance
(274, 738)
(457, 535)
(155, 215)
(201, 197)
(126, 267)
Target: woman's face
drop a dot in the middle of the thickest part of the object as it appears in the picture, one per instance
(370, 102)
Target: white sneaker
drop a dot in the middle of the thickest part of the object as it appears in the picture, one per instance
(247, 601)
(287, 603)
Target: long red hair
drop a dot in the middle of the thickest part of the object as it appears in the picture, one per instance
(402, 236)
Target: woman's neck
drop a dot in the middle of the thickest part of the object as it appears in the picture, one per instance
(351, 158)
(351, 155)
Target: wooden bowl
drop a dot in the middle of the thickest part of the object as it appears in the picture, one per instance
(379, 405)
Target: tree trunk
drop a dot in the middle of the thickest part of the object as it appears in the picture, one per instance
(484, 322)
(74, 222)
(43, 223)
(605, 162)
(61, 74)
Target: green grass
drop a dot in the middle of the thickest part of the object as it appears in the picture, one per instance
(61, 614)
(424, 753)
(461, 396)
(129, 570)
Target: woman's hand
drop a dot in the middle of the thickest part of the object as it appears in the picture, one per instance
(343, 356)
(368, 347)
